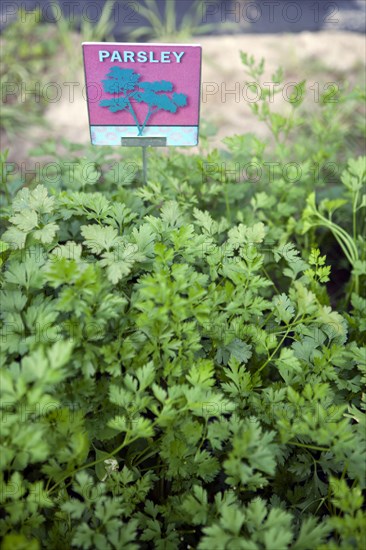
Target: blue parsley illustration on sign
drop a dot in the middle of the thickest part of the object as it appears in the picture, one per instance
(126, 83)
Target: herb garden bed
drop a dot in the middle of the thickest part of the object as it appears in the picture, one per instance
(181, 366)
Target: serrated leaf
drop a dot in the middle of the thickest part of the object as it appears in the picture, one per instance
(283, 308)
(99, 238)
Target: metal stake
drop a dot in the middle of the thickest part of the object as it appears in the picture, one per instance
(144, 143)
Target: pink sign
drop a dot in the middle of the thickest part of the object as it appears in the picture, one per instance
(143, 90)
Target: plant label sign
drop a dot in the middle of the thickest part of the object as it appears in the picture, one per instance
(143, 91)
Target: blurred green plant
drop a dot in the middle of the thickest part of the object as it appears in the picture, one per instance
(27, 48)
(102, 29)
(88, 31)
(166, 28)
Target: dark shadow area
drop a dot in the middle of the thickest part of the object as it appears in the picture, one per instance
(254, 16)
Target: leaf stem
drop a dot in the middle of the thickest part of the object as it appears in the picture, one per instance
(276, 349)
(306, 446)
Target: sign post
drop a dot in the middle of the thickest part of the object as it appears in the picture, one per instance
(143, 95)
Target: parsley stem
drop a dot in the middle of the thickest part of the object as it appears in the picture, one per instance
(4, 175)
(347, 239)
(306, 446)
(6, 190)
(270, 280)
(227, 203)
(276, 349)
(267, 319)
(354, 216)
